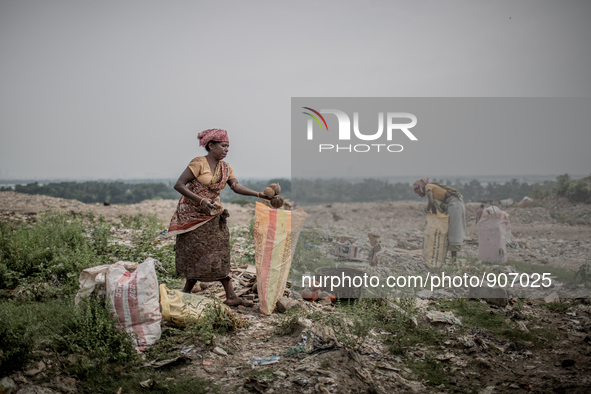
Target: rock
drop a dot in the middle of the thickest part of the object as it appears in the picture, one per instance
(210, 369)
(284, 304)
(492, 295)
(552, 298)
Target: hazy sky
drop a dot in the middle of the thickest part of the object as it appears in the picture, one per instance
(120, 89)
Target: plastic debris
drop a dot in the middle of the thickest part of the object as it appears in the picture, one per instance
(265, 360)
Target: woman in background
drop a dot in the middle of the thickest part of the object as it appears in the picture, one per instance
(200, 221)
(448, 200)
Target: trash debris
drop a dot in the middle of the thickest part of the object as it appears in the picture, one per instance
(219, 351)
(147, 383)
(522, 327)
(187, 350)
(302, 382)
(445, 357)
(34, 371)
(443, 317)
(168, 362)
(492, 295)
(284, 304)
(265, 360)
(6, 385)
(255, 384)
(298, 352)
(552, 298)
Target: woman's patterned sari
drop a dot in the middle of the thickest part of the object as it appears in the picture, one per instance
(189, 215)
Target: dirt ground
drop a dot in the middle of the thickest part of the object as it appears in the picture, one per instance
(552, 232)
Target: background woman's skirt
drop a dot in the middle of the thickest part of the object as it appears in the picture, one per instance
(204, 253)
(457, 224)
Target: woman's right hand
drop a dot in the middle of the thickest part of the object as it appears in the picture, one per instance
(263, 196)
(206, 204)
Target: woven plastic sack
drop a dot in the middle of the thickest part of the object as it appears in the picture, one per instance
(435, 242)
(93, 280)
(276, 233)
(180, 308)
(132, 297)
(494, 229)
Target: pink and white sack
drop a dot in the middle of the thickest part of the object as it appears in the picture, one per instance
(133, 299)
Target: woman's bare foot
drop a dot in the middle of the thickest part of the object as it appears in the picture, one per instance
(238, 301)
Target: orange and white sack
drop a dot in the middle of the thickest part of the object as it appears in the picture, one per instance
(435, 241)
(132, 297)
(276, 233)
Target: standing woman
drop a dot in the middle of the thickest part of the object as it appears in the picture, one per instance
(448, 200)
(200, 222)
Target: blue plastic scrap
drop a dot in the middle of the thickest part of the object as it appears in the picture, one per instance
(265, 360)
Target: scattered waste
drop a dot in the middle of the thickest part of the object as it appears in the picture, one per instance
(296, 352)
(265, 360)
(219, 351)
(168, 362)
(443, 317)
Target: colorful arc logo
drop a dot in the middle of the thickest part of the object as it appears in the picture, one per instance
(315, 118)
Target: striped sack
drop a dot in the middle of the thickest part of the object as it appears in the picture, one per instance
(132, 298)
(276, 233)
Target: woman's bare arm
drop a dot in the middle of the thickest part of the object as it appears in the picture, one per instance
(239, 189)
(181, 187)
(431, 206)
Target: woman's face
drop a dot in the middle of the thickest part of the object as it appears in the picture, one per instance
(219, 150)
(419, 192)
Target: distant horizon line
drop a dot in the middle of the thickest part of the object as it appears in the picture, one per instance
(255, 178)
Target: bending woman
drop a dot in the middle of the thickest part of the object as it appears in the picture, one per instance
(200, 222)
(448, 200)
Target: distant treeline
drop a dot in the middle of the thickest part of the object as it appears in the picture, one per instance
(131, 193)
(315, 191)
(340, 190)
(89, 192)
